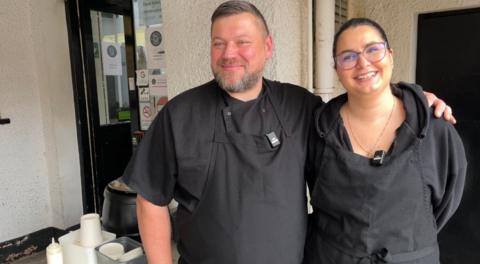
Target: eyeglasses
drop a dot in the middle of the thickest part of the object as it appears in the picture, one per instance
(373, 52)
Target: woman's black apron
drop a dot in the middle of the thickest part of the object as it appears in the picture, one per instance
(368, 214)
(253, 208)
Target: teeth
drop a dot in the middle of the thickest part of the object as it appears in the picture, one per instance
(366, 76)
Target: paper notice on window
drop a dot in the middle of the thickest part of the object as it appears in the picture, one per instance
(155, 47)
(143, 94)
(152, 12)
(142, 77)
(158, 84)
(111, 58)
(147, 113)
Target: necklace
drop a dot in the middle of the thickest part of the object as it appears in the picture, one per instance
(369, 152)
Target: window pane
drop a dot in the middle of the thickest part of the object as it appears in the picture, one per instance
(110, 67)
(151, 64)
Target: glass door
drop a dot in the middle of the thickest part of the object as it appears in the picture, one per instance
(110, 98)
(119, 78)
(105, 94)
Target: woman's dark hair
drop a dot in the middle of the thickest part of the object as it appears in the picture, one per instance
(355, 22)
(235, 7)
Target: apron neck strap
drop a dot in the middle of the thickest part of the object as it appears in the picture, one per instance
(275, 107)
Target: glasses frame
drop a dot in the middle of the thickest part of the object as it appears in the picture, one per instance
(385, 46)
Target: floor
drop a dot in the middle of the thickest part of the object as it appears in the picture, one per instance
(40, 258)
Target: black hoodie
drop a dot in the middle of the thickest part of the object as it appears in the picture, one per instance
(387, 213)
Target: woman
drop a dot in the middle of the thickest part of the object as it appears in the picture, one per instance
(385, 176)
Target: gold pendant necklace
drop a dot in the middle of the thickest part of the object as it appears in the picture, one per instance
(370, 152)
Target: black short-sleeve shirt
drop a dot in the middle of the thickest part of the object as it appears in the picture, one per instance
(172, 159)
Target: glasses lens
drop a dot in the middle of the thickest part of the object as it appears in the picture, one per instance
(347, 60)
(375, 52)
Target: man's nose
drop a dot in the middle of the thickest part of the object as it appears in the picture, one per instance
(230, 50)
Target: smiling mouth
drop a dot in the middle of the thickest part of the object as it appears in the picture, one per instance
(366, 76)
(231, 66)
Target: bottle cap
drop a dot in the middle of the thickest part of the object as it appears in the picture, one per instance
(54, 247)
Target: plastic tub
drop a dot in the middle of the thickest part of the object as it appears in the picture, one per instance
(128, 245)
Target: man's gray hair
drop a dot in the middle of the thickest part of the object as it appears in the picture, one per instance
(235, 7)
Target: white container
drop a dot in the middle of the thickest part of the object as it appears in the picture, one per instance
(90, 230)
(133, 253)
(112, 250)
(75, 253)
(54, 253)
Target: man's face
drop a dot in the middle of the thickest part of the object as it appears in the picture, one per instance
(239, 50)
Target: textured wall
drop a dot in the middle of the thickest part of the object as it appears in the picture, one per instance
(39, 171)
(399, 19)
(187, 41)
(52, 62)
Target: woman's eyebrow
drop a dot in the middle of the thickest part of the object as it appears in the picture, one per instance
(366, 45)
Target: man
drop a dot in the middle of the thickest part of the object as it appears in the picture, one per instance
(232, 153)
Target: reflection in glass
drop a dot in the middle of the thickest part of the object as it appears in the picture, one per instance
(150, 59)
(146, 13)
(110, 67)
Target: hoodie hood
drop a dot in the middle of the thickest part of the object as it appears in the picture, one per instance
(415, 104)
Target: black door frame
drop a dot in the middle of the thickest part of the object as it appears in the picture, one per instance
(83, 76)
(447, 63)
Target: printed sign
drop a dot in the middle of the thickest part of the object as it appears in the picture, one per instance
(111, 58)
(158, 84)
(146, 115)
(142, 77)
(152, 12)
(144, 94)
(155, 47)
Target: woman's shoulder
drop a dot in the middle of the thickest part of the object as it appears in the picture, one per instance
(438, 126)
(327, 115)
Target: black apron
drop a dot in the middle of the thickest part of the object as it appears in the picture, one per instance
(367, 214)
(253, 208)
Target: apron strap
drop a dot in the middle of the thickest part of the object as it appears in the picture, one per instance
(226, 113)
(224, 133)
(380, 256)
(275, 108)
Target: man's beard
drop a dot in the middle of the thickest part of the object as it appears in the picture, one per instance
(244, 84)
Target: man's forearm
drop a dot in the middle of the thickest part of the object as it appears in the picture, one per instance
(155, 231)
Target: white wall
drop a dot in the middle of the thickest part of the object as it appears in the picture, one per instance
(40, 182)
(39, 163)
(399, 19)
(187, 41)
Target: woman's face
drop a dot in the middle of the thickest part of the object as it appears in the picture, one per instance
(365, 77)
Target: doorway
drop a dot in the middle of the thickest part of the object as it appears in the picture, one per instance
(448, 63)
(119, 79)
(102, 52)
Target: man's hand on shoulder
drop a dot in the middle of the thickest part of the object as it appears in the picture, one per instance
(441, 109)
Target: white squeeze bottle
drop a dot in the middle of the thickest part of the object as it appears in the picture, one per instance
(54, 253)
